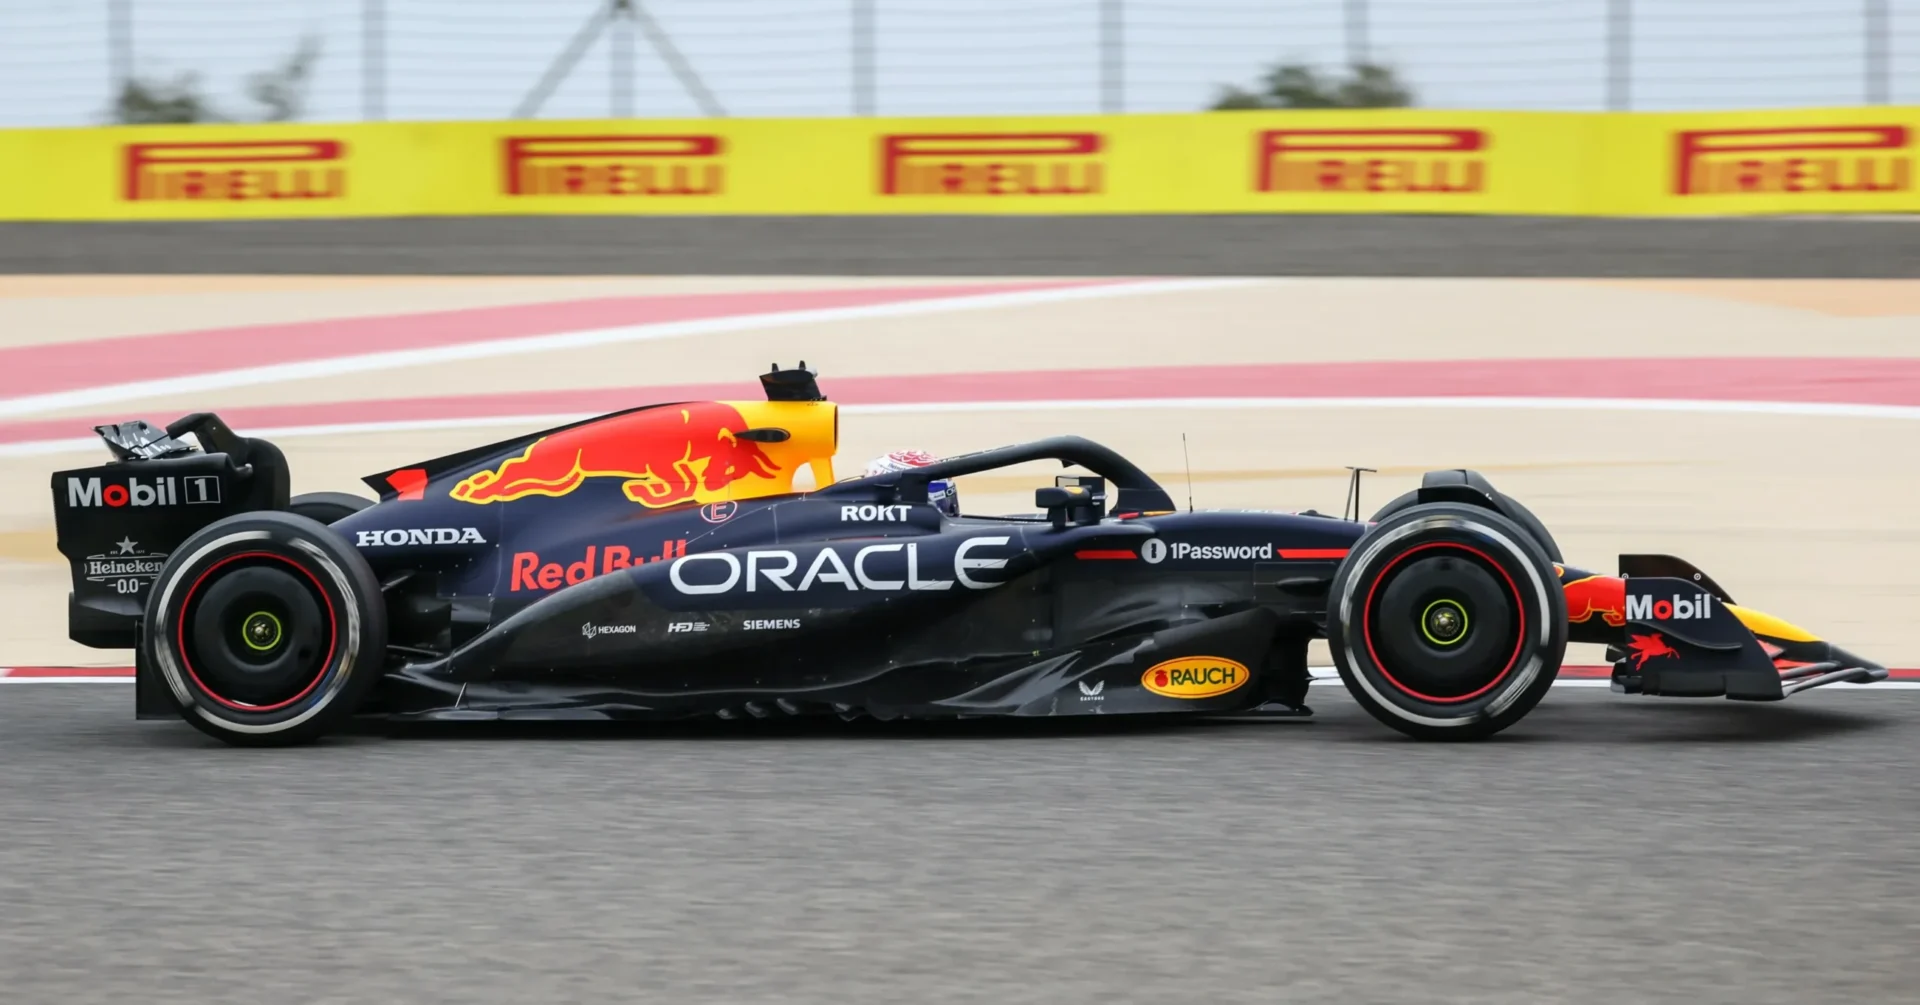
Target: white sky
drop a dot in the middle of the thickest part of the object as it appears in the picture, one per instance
(478, 58)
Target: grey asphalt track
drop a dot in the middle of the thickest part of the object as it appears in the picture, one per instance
(1607, 850)
(973, 246)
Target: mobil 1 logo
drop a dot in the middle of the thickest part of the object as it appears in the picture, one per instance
(166, 490)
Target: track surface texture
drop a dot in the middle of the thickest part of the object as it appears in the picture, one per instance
(1606, 850)
(981, 246)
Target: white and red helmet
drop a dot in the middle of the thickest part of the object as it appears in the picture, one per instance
(940, 493)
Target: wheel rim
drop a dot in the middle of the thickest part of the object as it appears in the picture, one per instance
(1444, 623)
(257, 632)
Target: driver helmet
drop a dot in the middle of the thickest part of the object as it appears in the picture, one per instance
(941, 493)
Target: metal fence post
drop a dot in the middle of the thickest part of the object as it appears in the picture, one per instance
(1875, 22)
(1619, 55)
(1357, 43)
(119, 48)
(862, 54)
(1113, 57)
(620, 62)
(373, 60)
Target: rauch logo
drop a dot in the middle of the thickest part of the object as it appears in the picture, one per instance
(1195, 677)
(1376, 161)
(650, 165)
(992, 164)
(1820, 159)
(235, 172)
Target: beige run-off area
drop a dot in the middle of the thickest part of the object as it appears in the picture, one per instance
(1808, 516)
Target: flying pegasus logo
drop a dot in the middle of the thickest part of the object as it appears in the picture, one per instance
(1646, 647)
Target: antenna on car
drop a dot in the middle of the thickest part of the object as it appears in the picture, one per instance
(1353, 493)
(1189, 459)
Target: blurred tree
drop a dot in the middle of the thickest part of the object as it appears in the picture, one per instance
(158, 102)
(281, 93)
(1296, 85)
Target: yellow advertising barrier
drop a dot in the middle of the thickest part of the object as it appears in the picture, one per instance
(1376, 161)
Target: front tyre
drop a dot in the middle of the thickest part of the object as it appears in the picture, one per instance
(1447, 622)
(266, 629)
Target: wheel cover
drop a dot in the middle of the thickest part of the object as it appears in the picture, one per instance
(242, 654)
(1445, 621)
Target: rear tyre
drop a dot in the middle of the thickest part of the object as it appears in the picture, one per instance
(1447, 622)
(327, 507)
(266, 629)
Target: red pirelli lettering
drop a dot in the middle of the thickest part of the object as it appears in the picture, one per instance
(265, 169)
(626, 165)
(1814, 159)
(992, 164)
(1371, 161)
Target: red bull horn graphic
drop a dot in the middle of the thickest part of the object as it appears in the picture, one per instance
(669, 455)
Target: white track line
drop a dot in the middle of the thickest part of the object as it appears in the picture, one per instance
(31, 448)
(362, 363)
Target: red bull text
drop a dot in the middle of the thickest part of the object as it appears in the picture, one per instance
(527, 571)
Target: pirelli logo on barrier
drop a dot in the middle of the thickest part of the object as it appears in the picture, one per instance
(632, 165)
(266, 170)
(1814, 160)
(1371, 161)
(993, 164)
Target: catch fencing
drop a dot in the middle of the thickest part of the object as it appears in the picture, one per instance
(62, 64)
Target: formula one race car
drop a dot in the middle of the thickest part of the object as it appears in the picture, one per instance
(658, 563)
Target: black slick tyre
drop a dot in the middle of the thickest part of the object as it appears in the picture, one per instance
(265, 629)
(1447, 621)
(327, 507)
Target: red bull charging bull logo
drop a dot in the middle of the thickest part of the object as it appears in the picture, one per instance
(667, 456)
(1605, 596)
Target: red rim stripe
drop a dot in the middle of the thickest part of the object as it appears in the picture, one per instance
(333, 631)
(1520, 641)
